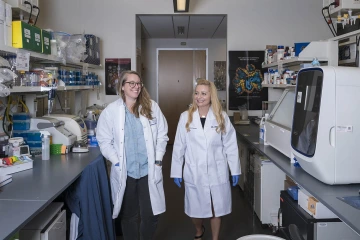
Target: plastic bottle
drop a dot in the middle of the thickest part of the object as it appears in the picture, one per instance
(280, 52)
(6, 146)
(262, 130)
(266, 118)
(45, 145)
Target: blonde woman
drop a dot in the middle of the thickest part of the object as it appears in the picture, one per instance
(206, 139)
(132, 134)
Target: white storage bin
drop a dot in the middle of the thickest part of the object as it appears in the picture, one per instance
(320, 210)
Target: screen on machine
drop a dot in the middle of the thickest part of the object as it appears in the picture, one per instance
(306, 112)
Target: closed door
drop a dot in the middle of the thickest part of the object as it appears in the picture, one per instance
(178, 70)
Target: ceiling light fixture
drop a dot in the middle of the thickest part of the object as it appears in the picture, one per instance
(181, 5)
(181, 30)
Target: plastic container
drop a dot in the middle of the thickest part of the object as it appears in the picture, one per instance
(21, 116)
(21, 125)
(91, 127)
(55, 149)
(53, 47)
(14, 146)
(262, 130)
(280, 53)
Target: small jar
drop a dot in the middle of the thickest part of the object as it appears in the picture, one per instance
(280, 53)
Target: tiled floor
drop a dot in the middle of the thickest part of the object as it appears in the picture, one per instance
(175, 225)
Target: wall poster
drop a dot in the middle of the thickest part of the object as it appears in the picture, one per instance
(113, 69)
(245, 78)
(220, 75)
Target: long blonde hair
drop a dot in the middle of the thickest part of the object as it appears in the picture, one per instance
(215, 105)
(142, 100)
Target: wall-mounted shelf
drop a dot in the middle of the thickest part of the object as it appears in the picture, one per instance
(292, 62)
(278, 86)
(44, 58)
(45, 89)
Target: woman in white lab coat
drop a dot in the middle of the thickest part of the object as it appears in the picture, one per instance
(132, 134)
(206, 140)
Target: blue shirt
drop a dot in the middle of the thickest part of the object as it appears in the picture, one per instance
(135, 147)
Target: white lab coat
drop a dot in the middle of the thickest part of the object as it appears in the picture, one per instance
(110, 136)
(207, 157)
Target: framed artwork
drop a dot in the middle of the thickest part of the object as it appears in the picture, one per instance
(245, 78)
(113, 69)
(220, 75)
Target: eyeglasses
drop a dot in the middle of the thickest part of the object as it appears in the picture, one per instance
(132, 84)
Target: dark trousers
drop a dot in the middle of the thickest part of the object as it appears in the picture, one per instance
(137, 199)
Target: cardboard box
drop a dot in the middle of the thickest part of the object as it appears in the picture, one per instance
(288, 183)
(36, 35)
(237, 116)
(312, 206)
(22, 36)
(45, 39)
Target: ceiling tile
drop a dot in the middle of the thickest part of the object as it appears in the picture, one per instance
(181, 21)
(158, 26)
(221, 30)
(203, 26)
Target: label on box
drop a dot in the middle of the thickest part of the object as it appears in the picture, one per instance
(37, 38)
(46, 41)
(22, 61)
(27, 33)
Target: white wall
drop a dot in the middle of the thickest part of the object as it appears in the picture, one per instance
(216, 52)
(251, 23)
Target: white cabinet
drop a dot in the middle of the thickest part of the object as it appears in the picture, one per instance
(243, 155)
(50, 224)
(268, 182)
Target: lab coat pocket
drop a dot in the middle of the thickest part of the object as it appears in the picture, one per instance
(222, 171)
(158, 176)
(115, 182)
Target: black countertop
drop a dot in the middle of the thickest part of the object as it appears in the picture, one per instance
(326, 194)
(33, 190)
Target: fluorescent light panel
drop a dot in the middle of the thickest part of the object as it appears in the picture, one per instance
(181, 5)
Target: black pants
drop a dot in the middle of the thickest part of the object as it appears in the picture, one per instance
(137, 199)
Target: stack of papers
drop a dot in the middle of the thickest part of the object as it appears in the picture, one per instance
(5, 179)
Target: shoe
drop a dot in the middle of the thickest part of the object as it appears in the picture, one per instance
(203, 231)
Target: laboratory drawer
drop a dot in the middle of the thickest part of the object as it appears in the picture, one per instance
(57, 229)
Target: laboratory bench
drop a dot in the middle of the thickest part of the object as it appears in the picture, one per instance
(33, 190)
(326, 194)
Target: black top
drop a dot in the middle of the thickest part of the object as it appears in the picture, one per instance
(202, 121)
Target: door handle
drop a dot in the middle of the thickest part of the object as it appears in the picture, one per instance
(332, 136)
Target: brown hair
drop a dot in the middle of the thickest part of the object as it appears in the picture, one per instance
(143, 101)
(215, 105)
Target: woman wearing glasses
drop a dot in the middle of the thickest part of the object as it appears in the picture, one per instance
(206, 140)
(132, 134)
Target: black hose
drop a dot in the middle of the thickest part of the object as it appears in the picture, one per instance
(3, 123)
(327, 21)
(59, 102)
(37, 14)
(28, 3)
(331, 19)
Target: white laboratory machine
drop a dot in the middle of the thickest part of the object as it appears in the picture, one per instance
(59, 134)
(278, 124)
(326, 127)
(74, 124)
